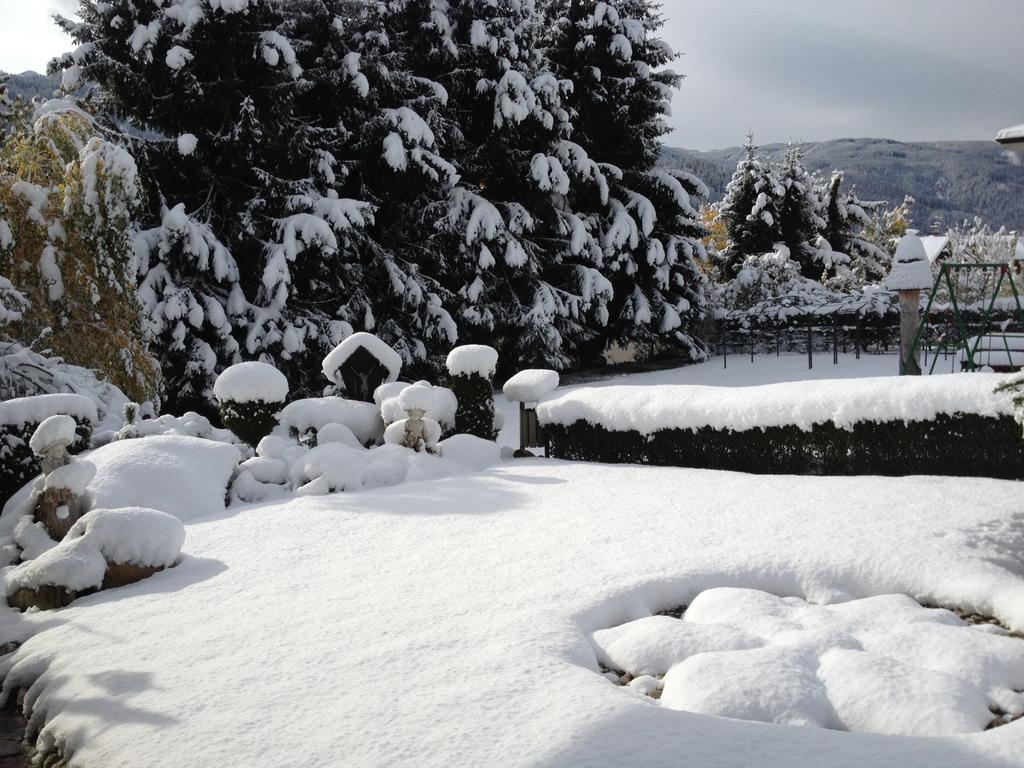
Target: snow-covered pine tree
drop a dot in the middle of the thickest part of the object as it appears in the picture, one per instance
(249, 118)
(645, 224)
(751, 209)
(799, 213)
(846, 219)
(517, 261)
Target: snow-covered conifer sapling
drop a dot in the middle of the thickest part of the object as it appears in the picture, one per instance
(470, 370)
(250, 397)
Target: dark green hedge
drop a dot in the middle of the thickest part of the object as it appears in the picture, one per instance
(18, 464)
(960, 445)
(475, 413)
(251, 421)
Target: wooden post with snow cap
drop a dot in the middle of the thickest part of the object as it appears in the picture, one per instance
(910, 275)
(528, 388)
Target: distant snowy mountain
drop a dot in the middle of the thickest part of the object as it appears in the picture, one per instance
(30, 85)
(950, 180)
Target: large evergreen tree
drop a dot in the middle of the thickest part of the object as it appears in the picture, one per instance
(799, 216)
(645, 225)
(262, 126)
(846, 219)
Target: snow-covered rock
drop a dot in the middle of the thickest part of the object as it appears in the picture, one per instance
(472, 359)
(251, 382)
(470, 451)
(531, 386)
(337, 433)
(372, 344)
(309, 415)
(53, 431)
(271, 447)
(135, 536)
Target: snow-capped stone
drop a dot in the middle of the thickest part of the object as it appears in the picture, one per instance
(472, 359)
(251, 382)
(910, 270)
(531, 386)
(470, 451)
(372, 344)
(51, 432)
(187, 143)
(271, 447)
(337, 433)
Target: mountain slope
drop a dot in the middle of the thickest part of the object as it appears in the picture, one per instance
(951, 180)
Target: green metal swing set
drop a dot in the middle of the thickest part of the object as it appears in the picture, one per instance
(971, 347)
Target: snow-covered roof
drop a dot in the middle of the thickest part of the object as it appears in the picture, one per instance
(1014, 135)
(910, 266)
(934, 245)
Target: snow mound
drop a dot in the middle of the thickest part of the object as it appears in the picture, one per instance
(472, 359)
(372, 344)
(338, 433)
(882, 664)
(52, 430)
(303, 416)
(136, 536)
(655, 644)
(251, 382)
(805, 404)
(272, 447)
(183, 476)
(470, 451)
(20, 411)
(531, 386)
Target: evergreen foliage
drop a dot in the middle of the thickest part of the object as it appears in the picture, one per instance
(252, 420)
(475, 413)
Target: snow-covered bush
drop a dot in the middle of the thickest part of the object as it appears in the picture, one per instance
(302, 419)
(250, 396)
(19, 418)
(470, 370)
(935, 425)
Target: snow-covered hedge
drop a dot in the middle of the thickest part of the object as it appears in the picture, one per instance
(941, 425)
(470, 369)
(250, 395)
(19, 418)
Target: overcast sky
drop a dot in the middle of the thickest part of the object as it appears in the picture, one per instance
(790, 70)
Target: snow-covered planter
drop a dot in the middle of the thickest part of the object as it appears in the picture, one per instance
(106, 548)
(470, 370)
(19, 418)
(936, 425)
(250, 396)
(360, 364)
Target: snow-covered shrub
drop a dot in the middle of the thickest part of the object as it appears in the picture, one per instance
(250, 396)
(470, 369)
(19, 419)
(944, 425)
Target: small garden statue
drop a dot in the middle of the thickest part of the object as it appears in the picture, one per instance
(65, 479)
(470, 369)
(417, 431)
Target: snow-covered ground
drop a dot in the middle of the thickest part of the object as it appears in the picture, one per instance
(452, 622)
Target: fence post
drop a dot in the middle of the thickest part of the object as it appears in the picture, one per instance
(835, 345)
(810, 346)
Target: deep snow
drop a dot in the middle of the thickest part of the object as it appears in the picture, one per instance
(448, 623)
